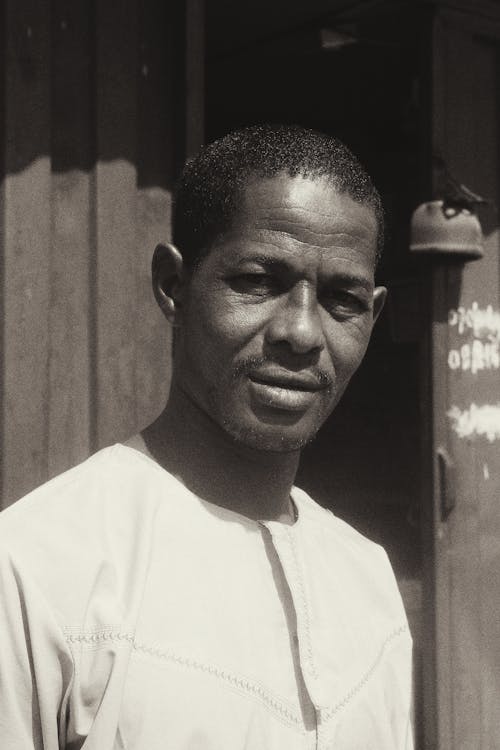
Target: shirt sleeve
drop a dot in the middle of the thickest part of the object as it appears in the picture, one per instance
(36, 667)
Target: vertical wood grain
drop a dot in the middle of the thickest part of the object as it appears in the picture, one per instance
(194, 83)
(438, 724)
(189, 74)
(72, 154)
(89, 146)
(117, 261)
(26, 245)
(155, 175)
(466, 134)
(474, 148)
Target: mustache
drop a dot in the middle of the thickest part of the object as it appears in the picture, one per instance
(253, 364)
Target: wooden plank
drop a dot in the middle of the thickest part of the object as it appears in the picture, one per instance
(115, 416)
(442, 672)
(26, 243)
(189, 71)
(478, 541)
(472, 150)
(466, 133)
(436, 655)
(429, 701)
(72, 254)
(477, 16)
(155, 175)
(195, 76)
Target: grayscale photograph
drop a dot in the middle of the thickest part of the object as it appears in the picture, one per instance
(250, 375)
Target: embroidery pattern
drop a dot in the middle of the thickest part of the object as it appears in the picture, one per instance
(330, 713)
(232, 679)
(303, 600)
(97, 636)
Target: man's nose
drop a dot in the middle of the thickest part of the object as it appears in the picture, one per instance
(296, 321)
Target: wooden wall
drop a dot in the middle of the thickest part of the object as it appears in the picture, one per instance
(462, 542)
(99, 104)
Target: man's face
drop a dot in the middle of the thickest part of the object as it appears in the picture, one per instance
(277, 317)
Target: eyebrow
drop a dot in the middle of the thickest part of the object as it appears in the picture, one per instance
(351, 279)
(344, 277)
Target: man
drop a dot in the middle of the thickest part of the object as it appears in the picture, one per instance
(177, 591)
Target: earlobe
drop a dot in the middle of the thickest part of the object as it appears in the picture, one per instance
(379, 297)
(167, 274)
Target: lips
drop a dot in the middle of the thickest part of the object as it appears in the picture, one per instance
(285, 390)
(290, 380)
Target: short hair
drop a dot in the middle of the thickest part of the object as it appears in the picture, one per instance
(210, 188)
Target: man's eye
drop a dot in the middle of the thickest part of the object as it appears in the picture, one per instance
(339, 302)
(254, 283)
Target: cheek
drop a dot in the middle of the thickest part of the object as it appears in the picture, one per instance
(347, 346)
(229, 323)
(212, 336)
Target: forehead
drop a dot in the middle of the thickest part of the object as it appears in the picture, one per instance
(303, 217)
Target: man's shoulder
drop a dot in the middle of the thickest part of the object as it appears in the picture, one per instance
(112, 487)
(102, 469)
(82, 529)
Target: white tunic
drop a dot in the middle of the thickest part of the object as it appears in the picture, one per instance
(135, 615)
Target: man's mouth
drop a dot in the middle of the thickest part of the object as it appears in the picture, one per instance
(286, 390)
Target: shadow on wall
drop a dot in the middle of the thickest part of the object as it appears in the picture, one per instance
(84, 84)
(89, 158)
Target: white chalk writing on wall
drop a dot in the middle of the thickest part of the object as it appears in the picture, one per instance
(480, 355)
(483, 352)
(483, 321)
(476, 421)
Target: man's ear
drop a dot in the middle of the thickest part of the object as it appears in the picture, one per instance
(167, 275)
(379, 297)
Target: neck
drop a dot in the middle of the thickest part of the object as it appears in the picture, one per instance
(192, 447)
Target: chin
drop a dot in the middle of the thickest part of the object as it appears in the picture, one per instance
(264, 437)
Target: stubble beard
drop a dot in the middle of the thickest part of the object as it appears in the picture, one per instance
(263, 438)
